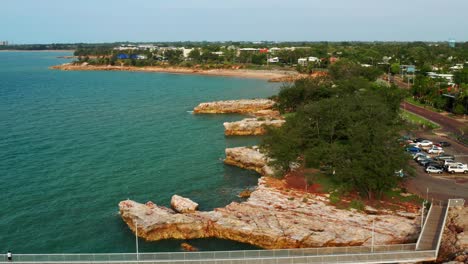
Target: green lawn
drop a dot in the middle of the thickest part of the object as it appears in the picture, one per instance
(418, 120)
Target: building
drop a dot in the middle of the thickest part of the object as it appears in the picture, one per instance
(447, 77)
(273, 60)
(4, 43)
(451, 43)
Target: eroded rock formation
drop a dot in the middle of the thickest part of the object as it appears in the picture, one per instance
(250, 158)
(251, 126)
(273, 217)
(244, 106)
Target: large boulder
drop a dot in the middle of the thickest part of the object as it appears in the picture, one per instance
(183, 205)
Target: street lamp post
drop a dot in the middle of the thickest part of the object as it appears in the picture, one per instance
(373, 229)
(136, 241)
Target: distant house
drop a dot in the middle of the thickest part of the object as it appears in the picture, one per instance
(142, 57)
(447, 77)
(305, 61)
(457, 67)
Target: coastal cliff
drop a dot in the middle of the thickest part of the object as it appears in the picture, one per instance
(251, 126)
(273, 217)
(245, 106)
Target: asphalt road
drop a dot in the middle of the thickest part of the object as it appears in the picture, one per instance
(447, 124)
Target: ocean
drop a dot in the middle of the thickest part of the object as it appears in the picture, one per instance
(74, 144)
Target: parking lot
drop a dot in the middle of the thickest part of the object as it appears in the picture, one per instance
(445, 185)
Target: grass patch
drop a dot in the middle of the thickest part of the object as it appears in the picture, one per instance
(418, 120)
(326, 183)
(396, 195)
(411, 100)
(357, 204)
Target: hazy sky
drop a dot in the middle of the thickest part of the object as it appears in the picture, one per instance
(46, 21)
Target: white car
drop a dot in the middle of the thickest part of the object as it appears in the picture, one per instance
(457, 168)
(450, 162)
(432, 169)
(425, 143)
(435, 150)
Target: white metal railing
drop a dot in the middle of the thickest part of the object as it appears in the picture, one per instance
(379, 257)
(424, 226)
(177, 256)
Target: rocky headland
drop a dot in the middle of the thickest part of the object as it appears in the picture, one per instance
(274, 217)
(250, 158)
(251, 126)
(244, 106)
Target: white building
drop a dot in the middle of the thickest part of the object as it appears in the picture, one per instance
(305, 61)
(273, 60)
(448, 77)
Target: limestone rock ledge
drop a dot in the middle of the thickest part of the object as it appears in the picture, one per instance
(244, 106)
(249, 158)
(271, 218)
(454, 244)
(251, 126)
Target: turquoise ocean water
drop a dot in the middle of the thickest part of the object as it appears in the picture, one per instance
(74, 144)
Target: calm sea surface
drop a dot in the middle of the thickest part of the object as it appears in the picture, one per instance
(74, 144)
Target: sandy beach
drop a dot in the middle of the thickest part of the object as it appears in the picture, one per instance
(271, 75)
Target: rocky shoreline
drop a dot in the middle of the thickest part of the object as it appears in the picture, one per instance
(262, 110)
(251, 126)
(270, 75)
(273, 217)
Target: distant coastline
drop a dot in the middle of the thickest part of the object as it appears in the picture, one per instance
(17, 50)
(270, 75)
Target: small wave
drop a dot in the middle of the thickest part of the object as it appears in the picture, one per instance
(191, 112)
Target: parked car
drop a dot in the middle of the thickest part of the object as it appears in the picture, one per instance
(457, 168)
(424, 143)
(434, 169)
(421, 157)
(419, 154)
(444, 144)
(444, 156)
(434, 164)
(453, 163)
(424, 162)
(449, 162)
(419, 140)
(435, 150)
(413, 150)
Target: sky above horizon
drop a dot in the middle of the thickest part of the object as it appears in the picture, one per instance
(67, 21)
